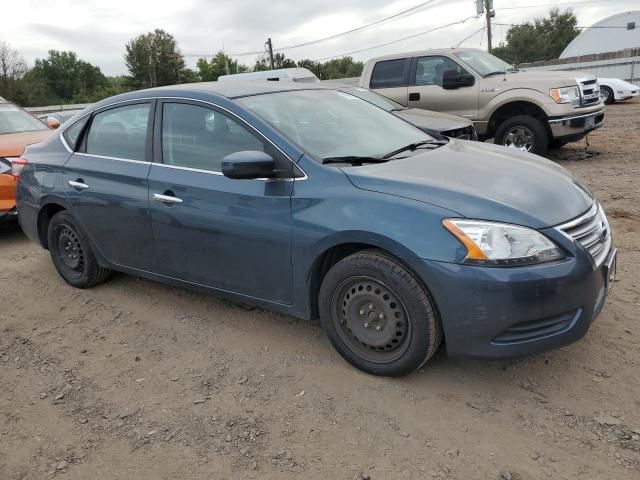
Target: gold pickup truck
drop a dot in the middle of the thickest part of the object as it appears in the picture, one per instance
(531, 111)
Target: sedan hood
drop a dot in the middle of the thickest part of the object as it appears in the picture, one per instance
(440, 122)
(12, 144)
(482, 181)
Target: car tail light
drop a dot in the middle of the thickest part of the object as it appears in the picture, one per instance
(17, 165)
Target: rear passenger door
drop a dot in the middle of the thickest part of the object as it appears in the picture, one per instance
(106, 181)
(233, 235)
(426, 92)
(390, 78)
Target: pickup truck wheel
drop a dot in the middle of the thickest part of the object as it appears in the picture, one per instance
(71, 253)
(377, 315)
(606, 94)
(523, 132)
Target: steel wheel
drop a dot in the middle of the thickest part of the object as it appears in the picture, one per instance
(519, 137)
(371, 319)
(69, 250)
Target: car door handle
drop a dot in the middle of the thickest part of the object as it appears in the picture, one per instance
(166, 199)
(78, 184)
(413, 97)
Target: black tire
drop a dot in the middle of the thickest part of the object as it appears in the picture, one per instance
(377, 315)
(555, 144)
(71, 253)
(607, 95)
(539, 140)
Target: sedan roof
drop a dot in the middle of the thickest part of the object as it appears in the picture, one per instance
(242, 88)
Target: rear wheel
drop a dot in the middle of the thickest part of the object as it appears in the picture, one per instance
(606, 94)
(377, 315)
(71, 253)
(524, 133)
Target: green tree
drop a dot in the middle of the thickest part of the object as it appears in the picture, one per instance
(210, 70)
(154, 59)
(544, 39)
(279, 61)
(67, 78)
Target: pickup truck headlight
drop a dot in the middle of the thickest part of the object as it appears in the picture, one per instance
(566, 95)
(501, 244)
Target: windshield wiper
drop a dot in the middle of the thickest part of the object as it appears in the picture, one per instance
(497, 72)
(415, 146)
(353, 160)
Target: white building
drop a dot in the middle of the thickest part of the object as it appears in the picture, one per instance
(614, 33)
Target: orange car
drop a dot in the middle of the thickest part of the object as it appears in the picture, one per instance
(18, 129)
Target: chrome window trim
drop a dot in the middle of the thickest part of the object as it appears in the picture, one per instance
(106, 157)
(197, 100)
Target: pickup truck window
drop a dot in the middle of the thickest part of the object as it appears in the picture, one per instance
(389, 73)
(430, 70)
(484, 63)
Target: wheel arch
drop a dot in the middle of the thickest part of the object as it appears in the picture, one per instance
(330, 254)
(48, 209)
(512, 109)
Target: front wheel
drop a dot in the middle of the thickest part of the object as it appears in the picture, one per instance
(377, 315)
(71, 253)
(524, 133)
(606, 94)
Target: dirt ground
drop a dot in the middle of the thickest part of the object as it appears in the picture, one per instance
(137, 380)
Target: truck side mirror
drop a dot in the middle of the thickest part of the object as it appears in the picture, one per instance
(452, 80)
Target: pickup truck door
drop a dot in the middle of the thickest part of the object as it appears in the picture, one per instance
(390, 78)
(425, 88)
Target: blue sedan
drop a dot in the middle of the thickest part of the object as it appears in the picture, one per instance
(315, 203)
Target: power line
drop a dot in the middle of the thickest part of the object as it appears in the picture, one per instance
(481, 29)
(592, 26)
(396, 41)
(555, 4)
(411, 11)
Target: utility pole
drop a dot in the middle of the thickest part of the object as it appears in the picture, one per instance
(270, 47)
(490, 13)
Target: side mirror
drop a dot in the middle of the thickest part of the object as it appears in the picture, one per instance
(248, 164)
(53, 122)
(452, 80)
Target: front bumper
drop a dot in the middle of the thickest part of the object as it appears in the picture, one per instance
(626, 94)
(575, 127)
(515, 311)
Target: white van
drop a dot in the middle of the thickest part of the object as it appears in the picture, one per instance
(299, 75)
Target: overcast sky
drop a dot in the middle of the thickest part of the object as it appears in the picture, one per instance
(99, 29)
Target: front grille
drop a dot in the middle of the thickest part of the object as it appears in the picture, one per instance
(592, 231)
(589, 92)
(537, 329)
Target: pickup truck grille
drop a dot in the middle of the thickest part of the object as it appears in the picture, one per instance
(589, 92)
(592, 231)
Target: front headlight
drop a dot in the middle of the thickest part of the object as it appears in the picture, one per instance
(566, 95)
(492, 243)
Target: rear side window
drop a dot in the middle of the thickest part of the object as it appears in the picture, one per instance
(72, 134)
(390, 73)
(119, 132)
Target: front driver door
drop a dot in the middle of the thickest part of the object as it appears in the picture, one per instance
(425, 88)
(233, 235)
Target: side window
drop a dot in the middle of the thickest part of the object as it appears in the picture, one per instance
(120, 132)
(389, 73)
(72, 134)
(199, 137)
(430, 70)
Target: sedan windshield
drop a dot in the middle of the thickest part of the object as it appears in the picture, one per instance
(14, 120)
(484, 63)
(330, 123)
